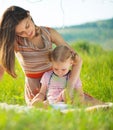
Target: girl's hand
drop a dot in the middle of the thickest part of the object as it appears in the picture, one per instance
(61, 97)
(64, 96)
(46, 104)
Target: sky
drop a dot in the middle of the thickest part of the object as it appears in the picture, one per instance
(61, 13)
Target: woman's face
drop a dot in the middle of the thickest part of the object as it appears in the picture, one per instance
(62, 68)
(26, 28)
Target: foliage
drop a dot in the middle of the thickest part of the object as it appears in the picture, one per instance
(12, 90)
(99, 32)
(55, 120)
(85, 47)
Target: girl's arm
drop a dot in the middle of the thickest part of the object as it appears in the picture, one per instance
(40, 97)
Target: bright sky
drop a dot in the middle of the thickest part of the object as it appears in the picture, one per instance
(60, 13)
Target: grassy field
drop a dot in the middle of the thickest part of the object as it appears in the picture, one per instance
(97, 79)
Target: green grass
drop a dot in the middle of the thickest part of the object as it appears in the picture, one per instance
(55, 120)
(97, 79)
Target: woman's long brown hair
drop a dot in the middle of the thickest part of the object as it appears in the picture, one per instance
(10, 19)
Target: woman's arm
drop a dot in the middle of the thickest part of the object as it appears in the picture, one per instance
(75, 72)
(74, 75)
(78, 96)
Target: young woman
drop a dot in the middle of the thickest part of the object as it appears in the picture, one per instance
(31, 43)
(54, 82)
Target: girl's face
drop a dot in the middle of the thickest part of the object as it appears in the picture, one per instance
(61, 68)
(26, 28)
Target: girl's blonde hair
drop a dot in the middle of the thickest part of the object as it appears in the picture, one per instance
(61, 54)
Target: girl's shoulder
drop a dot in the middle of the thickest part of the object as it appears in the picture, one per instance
(48, 73)
(46, 77)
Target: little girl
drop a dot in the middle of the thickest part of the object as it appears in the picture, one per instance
(54, 82)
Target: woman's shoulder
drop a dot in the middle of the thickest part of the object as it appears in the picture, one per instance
(45, 28)
(46, 31)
